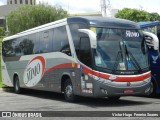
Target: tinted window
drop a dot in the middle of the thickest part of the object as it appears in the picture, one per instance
(85, 51)
(35, 41)
(12, 48)
(46, 41)
(76, 35)
(38, 43)
(21, 46)
(60, 41)
(27, 45)
(8, 48)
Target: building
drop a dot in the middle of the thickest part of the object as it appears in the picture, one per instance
(21, 2)
(12, 5)
(87, 14)
(112, 13)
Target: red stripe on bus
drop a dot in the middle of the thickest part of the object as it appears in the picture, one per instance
(59, 66)
(133, 79)
(127, 78)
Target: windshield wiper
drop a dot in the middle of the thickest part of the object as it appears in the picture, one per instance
(118, 56)
(135, 63)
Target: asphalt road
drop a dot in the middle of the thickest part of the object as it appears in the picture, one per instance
(32, 100)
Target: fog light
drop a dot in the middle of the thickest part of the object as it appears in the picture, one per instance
(104, 91)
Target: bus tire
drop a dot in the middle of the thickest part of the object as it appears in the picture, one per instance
(17, 88)
(153, 89)
(68, 91)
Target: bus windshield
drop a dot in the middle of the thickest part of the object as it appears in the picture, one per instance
(120, 49)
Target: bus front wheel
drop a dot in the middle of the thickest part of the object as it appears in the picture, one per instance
(153, 89)
(16, 85)
(68, 91)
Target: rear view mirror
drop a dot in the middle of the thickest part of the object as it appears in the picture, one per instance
(92, 37)
(151, 40)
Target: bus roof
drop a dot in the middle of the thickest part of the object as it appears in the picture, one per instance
(148, 24)
(90, 20)
(105, 22)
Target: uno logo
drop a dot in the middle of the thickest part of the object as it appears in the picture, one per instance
(34, 71)
(132, 34)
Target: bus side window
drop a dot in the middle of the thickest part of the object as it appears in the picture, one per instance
(75, 34)
(19, 47)
(60, 41)
(46, 41)
(35, 41)
(8, 48)
(26, 45)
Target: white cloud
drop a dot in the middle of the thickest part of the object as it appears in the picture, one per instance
(79, 6)
(75, 6)
(1, 3)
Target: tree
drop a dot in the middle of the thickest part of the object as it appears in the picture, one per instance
(137, 15)
(2, 31)
(154, 16)
(28, 16)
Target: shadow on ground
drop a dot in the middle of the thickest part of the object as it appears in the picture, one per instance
(91, 102)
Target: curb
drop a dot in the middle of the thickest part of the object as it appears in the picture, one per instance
(6, 89)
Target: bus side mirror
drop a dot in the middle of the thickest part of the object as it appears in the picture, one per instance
(151, 40)
(91, 35)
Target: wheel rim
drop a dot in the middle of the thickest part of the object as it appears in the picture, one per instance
(69, 91)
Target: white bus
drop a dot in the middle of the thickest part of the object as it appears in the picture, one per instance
(79, 56)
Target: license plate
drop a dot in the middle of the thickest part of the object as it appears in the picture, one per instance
(128, 91)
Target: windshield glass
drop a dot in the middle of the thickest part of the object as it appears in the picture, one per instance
(120, 49)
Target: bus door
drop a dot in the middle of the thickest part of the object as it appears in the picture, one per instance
(87, 43)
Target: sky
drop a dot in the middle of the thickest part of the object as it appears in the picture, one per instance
(82, 6)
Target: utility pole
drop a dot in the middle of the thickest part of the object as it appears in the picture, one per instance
(105, 8)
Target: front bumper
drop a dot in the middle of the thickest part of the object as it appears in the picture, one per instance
(106, 88)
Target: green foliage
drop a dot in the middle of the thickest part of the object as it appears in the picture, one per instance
(154, 16)
(2, 31)
(137, 15)
(27, 17)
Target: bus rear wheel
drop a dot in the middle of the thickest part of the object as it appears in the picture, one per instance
(68, 91)
(16, 85)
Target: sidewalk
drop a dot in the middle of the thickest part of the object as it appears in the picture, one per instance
(1, 90)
